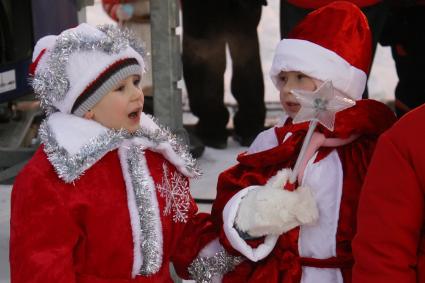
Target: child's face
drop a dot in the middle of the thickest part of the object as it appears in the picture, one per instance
(120, 108)
(289, 81)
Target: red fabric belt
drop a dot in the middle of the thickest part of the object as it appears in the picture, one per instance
(289, 260)
(291, 264)
(332, 262)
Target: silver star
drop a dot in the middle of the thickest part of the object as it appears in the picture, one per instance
(320, 105)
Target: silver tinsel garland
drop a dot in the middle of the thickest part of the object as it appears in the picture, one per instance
(70, 167)
(151, 246)
(163, 134)
(203, 269)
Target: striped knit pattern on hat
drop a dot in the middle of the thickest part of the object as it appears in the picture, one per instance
(106, 82)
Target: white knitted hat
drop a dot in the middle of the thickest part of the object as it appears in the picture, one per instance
(74, 70)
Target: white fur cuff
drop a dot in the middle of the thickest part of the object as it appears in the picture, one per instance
(239, 244)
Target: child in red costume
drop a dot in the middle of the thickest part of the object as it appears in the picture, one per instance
(305, 235)
(105, 199)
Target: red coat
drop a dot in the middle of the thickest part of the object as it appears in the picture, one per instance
(113, 211)
(315, 4)
(335, 176)
(390, 244)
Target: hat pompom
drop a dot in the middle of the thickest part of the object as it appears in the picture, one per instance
(46, 42)
(43, 44)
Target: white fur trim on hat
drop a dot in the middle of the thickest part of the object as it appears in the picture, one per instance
(319, 63)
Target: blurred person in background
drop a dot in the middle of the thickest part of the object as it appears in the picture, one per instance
(404, 32)
(208, 26)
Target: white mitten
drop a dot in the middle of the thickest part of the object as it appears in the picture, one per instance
(271, 210)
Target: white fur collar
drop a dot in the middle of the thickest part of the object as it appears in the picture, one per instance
(73, 132)
(74, 144)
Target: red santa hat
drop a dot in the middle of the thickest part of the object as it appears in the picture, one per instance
(74, 70)
(331, 43)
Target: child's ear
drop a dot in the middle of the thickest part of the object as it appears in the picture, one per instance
(88, 115)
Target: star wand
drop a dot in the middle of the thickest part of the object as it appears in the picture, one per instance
(319, 106)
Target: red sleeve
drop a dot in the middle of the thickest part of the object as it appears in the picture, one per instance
(203, 228)
(390, 218)
(197, 233)
(190, 237)
(42, 234)
(230, 182)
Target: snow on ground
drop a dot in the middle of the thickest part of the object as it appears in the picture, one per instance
(381, 84)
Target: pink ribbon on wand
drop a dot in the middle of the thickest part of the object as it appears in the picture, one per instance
(319, 106)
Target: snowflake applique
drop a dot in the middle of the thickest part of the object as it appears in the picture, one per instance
(175, 190)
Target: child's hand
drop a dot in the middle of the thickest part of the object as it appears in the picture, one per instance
(271, 210)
